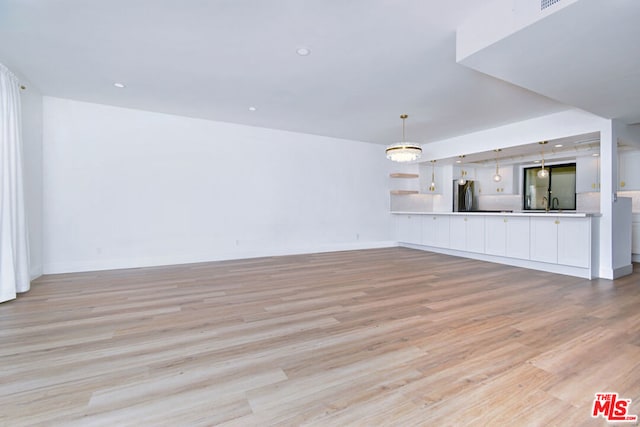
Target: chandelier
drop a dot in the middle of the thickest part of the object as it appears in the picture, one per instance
(404, 151)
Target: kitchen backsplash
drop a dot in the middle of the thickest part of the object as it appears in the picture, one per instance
(500, 203)
(412, 203)
(585, 202)
(588, 202)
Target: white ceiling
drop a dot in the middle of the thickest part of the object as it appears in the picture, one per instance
(371, 60)
(592, 63)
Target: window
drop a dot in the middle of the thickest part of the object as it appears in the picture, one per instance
(556, 191)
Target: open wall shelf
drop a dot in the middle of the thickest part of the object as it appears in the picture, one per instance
(404, 175)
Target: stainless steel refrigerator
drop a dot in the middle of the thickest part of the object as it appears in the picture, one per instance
(464, 197)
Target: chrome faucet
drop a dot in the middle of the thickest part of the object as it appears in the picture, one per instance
(555, 202)
(545, 203)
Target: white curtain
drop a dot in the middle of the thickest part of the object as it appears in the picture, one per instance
(14, 246)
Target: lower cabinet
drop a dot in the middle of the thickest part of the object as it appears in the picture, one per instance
(561, 240)
(544, 239)
(564, 241)
(507, 236)
(409, 228)
(435, 231)
(635, 234)
(467, 233)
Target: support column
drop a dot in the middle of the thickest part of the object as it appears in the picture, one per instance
(615, 223)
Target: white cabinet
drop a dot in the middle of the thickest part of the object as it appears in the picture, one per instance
(458, 233)
(629, 171)
(469, 172)
(495, 235)
(435, 231)
(467, 233)
(489, 187)
(561, 240)
(544, 239)
(574, 242)
(518, 238)
(507, 236)
(635, 234)
(587, 174)
(475, 234)
(409, 229)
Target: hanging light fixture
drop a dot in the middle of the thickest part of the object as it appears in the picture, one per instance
(432, 187)
(404, 151)
(497, 177)
(542, 173)
(462, 180)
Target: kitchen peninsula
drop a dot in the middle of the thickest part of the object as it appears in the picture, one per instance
(557, 242)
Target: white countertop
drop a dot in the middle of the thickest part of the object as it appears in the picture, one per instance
(571, 214)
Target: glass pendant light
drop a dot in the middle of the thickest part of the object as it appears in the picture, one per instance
(542, 173)
(432, 187)
(462, 180)
(497, 177)
(404, 151)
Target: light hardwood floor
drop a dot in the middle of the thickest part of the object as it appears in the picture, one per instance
(377, 337)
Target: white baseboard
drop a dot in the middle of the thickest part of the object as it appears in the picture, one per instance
(584, 273)
(122, 263)
(616, 273)
(35, 271)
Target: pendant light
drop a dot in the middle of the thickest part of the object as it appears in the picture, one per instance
(542, 173)
(432, 187)
(462, 180)
(497, 177)
(404, 151)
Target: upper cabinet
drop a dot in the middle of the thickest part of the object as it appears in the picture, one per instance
(508, 183)
(629, 171)
(467, 171)
(587, 174)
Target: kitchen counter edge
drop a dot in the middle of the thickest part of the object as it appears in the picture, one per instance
(543, 214)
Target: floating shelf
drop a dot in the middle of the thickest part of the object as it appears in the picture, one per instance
(404, 192)
(404, 175)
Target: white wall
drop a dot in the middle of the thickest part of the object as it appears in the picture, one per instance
(553, 126)
(127, 188)
(31, 101)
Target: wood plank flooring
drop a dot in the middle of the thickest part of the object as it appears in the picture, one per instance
(376, 337)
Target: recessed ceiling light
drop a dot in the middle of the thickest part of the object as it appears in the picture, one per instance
(536, 161)
(252, 108)
(596, 154)
(458, 161)
(303, 51)
(120, 85)
(558, 145)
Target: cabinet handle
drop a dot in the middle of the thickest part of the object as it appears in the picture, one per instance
(434, 218)
(622, 183)
(505, 220)
(465, 219)
(557, 221)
